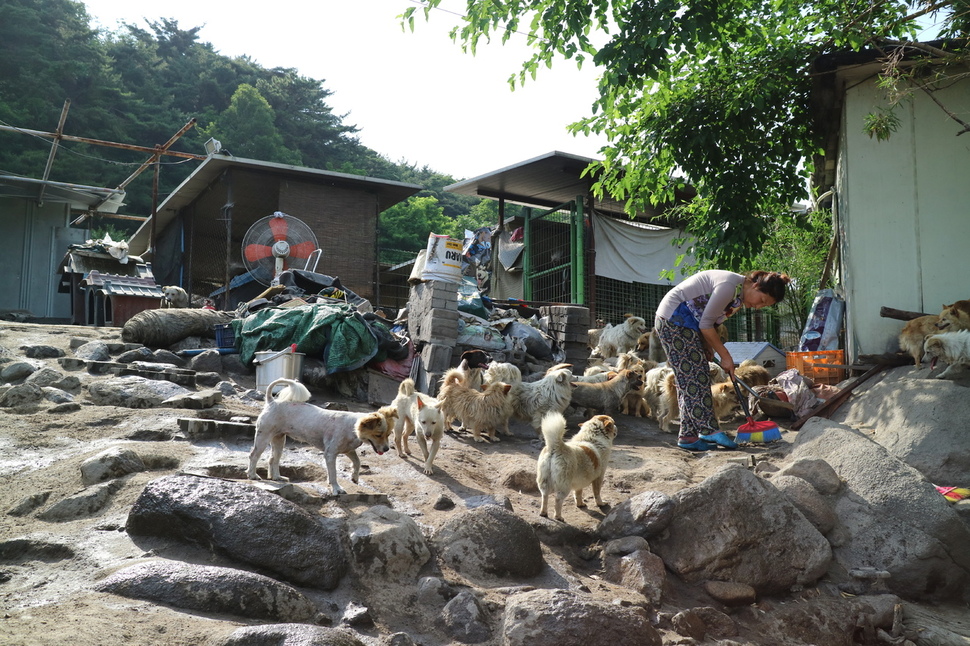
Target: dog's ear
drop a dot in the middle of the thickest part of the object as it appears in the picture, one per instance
(506, 388)
(420, 403)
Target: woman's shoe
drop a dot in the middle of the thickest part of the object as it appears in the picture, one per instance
(720, 439)
(696, 445)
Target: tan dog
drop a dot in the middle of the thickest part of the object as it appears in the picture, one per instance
(332, 431)
(635, 401)
(621, 338)
(605, 396)
(174, 297)
(955, 317)
(914, 333)
(571, 466)
(487, 409)
(752, 373)
(727, 407)
(420, 412)
(531, 400)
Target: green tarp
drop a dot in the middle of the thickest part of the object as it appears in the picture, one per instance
(335, 332)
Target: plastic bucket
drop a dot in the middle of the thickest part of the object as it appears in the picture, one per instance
(288, 366)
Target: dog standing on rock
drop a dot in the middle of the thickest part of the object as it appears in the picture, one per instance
(571, 466)
(332, 431)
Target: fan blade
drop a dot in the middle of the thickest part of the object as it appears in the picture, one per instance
(279, 227)
(256, 252)
(302, 249)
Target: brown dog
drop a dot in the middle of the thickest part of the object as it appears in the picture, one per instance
(752, 373)
(487, 409)
(914, 333)
(955, 317)
(605, 396)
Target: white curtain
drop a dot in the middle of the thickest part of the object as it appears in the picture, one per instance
(632, 253)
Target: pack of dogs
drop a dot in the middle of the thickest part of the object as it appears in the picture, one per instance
(625, 375)
(940, 337)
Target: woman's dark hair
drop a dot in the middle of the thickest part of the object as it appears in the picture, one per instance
(770, 282)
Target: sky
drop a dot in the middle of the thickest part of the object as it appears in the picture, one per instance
(415, 96)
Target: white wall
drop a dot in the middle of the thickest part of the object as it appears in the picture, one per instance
(904, 213)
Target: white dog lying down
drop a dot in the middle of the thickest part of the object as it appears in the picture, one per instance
(332, 431)
(570, 466)
(951, 347)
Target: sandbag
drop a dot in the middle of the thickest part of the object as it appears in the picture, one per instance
(164, 327)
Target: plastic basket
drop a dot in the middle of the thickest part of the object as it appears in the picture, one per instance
(225, 337)
(812, 365)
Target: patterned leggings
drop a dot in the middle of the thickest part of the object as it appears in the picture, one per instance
(685, 355)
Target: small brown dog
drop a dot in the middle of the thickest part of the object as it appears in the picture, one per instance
(955, 317)
(487, 409)
(571, 466)
(914, 333)
(752, 373)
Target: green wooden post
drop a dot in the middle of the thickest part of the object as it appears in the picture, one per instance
(526, 256)
(579, 253)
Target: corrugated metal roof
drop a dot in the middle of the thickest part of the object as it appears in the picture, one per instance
(115, 285)
(79, 196)
(546, 181)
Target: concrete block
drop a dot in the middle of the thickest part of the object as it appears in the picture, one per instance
(436, 357)
(381, 389)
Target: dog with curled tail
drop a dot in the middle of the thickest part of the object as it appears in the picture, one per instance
(570, 466)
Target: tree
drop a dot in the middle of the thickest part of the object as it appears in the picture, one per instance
(405, 226)
(247, 129)
(714, 94)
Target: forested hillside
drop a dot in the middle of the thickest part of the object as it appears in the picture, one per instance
(141, 85)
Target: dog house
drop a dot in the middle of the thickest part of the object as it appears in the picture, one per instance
(764, 353)
(105, 292)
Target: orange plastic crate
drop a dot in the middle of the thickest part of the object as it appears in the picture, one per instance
(812, 365)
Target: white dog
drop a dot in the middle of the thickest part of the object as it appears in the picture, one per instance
(621, 338)
(415, 410)
(174, 297)
(952, 347)
(531, 400)
(332, 431)
(570, 466)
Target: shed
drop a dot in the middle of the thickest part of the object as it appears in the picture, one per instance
(900, 204)
(36, 217)
(764, 353)
(194, 240)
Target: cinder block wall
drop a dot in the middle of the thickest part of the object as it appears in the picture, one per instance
(433, 325)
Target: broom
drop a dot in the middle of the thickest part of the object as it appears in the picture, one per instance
(752, 431)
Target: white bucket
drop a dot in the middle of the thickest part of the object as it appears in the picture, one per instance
(288, 365)
(443, 259)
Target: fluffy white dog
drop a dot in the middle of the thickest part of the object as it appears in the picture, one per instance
(571, 466)
(531, 400)
(953, 348)
(621, 338)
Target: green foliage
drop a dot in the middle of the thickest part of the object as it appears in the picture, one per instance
(406, 225)
(247, 128)
(711, 94)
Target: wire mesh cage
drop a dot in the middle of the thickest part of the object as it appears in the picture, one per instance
(610, 299)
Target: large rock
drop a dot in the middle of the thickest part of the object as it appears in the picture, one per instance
(566, 617)
(490, 541)
(387, 547)
(736, 526)
(133, 392)
(290, 635)
(210, 589)
(923, 422)
(246, 524)
(892, 518)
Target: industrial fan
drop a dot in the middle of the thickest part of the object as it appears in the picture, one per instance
(273, 243)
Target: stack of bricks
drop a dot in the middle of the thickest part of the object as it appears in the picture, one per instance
(569, 327)
(433, 325)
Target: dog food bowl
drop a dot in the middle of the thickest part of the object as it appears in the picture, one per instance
(282, 366)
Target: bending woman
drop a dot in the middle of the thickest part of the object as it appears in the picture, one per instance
(685, 324)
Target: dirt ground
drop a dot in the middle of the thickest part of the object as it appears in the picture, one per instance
(45, 590)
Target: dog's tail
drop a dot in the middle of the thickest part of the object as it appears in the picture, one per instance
(453, 377)
(293, 391)
(553, 430)
(406, 389)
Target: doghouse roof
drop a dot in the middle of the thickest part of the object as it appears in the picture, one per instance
(388, 192)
